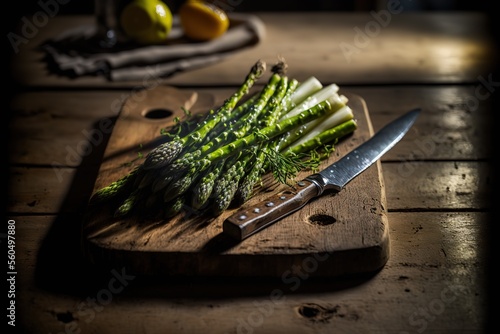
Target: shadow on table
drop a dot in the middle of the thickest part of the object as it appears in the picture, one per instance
(60, 265)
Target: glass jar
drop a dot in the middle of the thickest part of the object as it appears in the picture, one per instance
(107, 14)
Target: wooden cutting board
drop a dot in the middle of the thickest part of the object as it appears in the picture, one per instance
(334, 235)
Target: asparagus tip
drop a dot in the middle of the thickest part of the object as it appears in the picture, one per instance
(162, 155)
(280, 67)
(259, 67)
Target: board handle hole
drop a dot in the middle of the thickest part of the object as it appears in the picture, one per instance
(322, 220)
(158, 113)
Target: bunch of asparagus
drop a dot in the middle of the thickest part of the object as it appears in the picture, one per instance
(283, 128)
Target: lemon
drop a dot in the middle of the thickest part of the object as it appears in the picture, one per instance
(202, 21)
(146, 21)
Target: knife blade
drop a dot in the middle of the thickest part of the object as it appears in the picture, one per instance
(247, 221)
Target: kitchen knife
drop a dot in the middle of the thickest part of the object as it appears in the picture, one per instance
(248, 221)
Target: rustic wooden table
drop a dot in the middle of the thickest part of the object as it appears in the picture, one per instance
(438, 184)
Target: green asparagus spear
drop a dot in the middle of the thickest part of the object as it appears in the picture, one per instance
(115, 189)
(174, 207)
(323, 138)
(164, 153)
(181, 185)
(247, 183)
(202, 190)
(237, 130)
(265, 134)
(227, 186)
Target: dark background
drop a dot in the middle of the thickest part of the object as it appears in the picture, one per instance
(15, 10)
(87, 6)
(19, 9)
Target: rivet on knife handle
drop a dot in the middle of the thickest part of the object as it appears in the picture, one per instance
(246, 222)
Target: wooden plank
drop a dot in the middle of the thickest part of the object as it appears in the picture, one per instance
(351, 229)
(445, 132)
(43, 190)
(456, 121)
(429, 47)
(434, 279)
(412, 185)
(61, 128)
(69, 129)
(439, 186)
(51, 127)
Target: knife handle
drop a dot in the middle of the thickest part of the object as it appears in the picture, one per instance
(246, 222)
